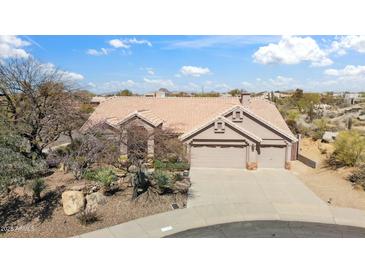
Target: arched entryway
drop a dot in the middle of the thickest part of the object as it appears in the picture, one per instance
(137, 143)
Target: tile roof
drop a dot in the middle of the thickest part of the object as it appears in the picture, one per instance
(179, 113)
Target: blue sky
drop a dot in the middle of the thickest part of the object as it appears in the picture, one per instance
(195, 63)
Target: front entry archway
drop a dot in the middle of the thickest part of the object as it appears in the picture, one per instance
(137, 143)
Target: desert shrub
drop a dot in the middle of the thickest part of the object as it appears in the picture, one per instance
(168, 148)
(37, 186)
(87, 216)
(163, 180)
(349, 148)
(358, 177)
(333, 162)
(321, 125)
(86, 108)
(177, 177)
(178, 166)
(17, 162)
(105, 176)
(92, 147)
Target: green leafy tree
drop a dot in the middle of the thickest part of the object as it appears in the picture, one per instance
(206, 94)
(125, 92)
(306, 104)
(349, 148)
(235, 92)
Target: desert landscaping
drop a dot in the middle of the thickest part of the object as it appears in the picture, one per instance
(331, 185)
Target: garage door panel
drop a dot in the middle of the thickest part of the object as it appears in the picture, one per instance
(272, 157)
(218, 157)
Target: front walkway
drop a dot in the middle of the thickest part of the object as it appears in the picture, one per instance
(225, 196)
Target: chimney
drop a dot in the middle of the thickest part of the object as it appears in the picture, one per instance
(245, 99)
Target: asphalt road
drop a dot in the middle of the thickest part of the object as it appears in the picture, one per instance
(273, 229)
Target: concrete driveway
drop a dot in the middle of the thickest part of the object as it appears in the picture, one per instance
(234, 199)
(263, 186)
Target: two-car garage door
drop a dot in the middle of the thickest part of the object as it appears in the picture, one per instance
(235, 156)
(218, 156)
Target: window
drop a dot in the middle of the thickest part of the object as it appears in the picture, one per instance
(219, 127)
(237, 116)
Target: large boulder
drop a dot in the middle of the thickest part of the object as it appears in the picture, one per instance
(78, 187)
(182, 186)
(94, 199)
(73, 202)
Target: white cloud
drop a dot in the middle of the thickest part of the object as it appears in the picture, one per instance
(222, 41)
(278, 82)
(64, 75)
(281, 81)
(194, 71)
(159, 82)
(12, 47)
(129, 83)
(126, 43)
(91, 85)
(139, 42)
(150, 71)
(94, 52)
(355, 42)
(116, 85)
(222, 87)
(247, 84)
(193, 85)
(347, 71)
(72, 76)
(292, 50)
(117, 43)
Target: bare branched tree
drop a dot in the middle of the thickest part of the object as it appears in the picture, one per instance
(38, 101)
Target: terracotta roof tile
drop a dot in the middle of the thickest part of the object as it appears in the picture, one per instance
(180, 113)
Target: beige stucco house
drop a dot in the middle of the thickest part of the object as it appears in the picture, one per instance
(219, 132)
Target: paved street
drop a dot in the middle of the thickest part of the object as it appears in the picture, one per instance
(273, 229)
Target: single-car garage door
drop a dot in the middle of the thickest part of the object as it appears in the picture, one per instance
(218, 156)
(272, 156)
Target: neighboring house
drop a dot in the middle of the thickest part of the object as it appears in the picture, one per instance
(218, 132)
(352, 98)
(161, 93)
(96, 100)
